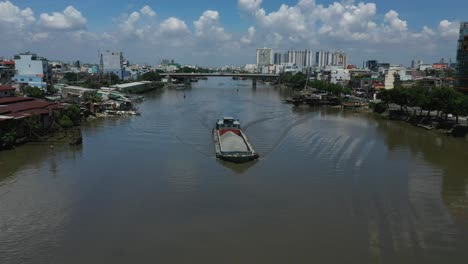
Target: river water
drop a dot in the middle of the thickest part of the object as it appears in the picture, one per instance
(330, 187)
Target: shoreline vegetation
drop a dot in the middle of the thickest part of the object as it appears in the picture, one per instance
(431, 108)
(63, 125)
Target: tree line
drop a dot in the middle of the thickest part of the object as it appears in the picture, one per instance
(443, 100)
(298, 81)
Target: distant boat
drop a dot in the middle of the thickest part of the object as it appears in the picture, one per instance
(180, 86)
(231, 144)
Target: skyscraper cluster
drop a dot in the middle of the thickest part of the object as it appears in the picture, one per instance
(302, 58)
(329, 58)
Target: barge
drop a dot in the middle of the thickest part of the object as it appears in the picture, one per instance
(231, 144)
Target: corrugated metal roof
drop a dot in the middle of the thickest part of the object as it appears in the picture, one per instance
(35, 107)
(16, 99)
(127, 85)
(6, 88)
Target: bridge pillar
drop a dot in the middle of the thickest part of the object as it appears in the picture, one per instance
(254, 82)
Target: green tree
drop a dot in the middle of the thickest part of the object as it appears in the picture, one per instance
(455, 104)
(298, 80)
(90, 98)
(8, 140)
(65, 122)
(71, 77)
(74, 113)
(347, 90)
(286, 77)
(150, 76)
(33, 92)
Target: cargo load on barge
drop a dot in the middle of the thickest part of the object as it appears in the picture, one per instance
(231, 144)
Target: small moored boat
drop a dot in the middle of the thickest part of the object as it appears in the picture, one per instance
(231, 144)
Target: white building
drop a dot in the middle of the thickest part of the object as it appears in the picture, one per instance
(423, 67)
(301, 58)
(290, 67)
(31, 70)
(251, 68)
(340, 59)
(390, 79)
(338, 74)
(327, 58)
(323, 58)
(264, 57)
(402, 72)
(112, 62)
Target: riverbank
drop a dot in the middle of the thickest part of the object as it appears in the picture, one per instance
(432, 123)
(24, 119)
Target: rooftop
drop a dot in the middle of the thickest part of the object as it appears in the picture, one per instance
(12, 100)
(21, 107)
(6, 88)
(128, 85)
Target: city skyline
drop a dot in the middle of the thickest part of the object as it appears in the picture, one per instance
(229, 33)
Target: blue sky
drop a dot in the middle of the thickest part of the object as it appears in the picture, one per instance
(419, 12)
(410, 25)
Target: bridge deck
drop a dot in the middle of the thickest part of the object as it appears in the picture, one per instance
(247, 75)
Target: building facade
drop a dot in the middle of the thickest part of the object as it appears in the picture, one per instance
(31, 70)
(112, 62)
(372, 65)
(340, 59)
(462, 56)
(323, 58)
(264, 57)
(278, 58)
(301, 58)
(328, 58)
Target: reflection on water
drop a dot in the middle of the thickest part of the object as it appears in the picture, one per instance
(330, 187)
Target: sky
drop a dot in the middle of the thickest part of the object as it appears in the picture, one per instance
(228, 32)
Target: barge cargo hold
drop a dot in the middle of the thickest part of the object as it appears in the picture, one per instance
(231, 144)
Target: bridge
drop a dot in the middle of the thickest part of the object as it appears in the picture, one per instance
(253, 76)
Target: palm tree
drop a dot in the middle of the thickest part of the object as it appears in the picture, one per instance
(91, 98)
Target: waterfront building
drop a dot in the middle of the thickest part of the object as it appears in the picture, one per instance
(264, 57)
(7, 91)
(250, 68)
(462, 56)
(20, 109)
(112, 62)
(32, 70)
(339, 75)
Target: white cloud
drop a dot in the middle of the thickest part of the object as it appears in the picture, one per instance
(393, 19)
(356, 27)
(128, 26)
(249, 5)
(208, 27)
(173, 26)
(147, 10)
(70, 19)
(247, 39)
(13, 15)
(449, 29)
